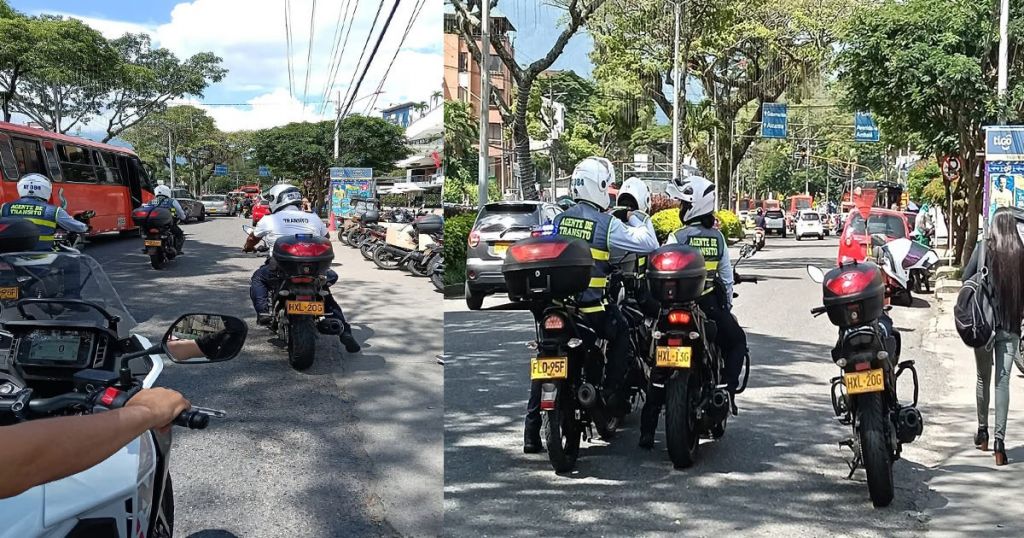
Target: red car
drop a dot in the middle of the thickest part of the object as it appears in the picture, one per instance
(259, 211)
(855, 242)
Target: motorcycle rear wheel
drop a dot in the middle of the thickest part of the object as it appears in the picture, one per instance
(385, 260)
(367, 249)
(874, 448)
(301, 336)
(562, 433)
(681, 421)
(419, 269)
(157, 261)
(343, 237)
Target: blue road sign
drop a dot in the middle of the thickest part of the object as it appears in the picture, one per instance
(351, 173)
(220, 170)
(774, 120)
(864, 128)
(1004, 143)
(264, 171)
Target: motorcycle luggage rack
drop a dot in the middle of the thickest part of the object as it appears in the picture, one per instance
(839, 404)
(909, 365)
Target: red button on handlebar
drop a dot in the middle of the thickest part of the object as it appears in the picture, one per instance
(108, 396)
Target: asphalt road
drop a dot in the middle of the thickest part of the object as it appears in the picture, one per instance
(777, 472)
(351, 447)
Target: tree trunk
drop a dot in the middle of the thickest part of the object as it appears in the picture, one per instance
(521, 139)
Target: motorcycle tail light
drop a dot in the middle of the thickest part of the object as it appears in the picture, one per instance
(302, 279)
(672, 260)
(547, 397)
(554, 323)
(306, 249)
(679, 317)
(675, 341)
(154, 231)
(865, 365)
(303, 297)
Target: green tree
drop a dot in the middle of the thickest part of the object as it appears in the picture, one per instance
(468, 26)
(460, 163)
(69, 87)
(370, 142)
(927, 70)
(919, 177)
(147, 78)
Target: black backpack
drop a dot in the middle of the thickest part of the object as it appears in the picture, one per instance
(974, 311)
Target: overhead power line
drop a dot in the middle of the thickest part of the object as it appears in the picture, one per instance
(309, 54)
(288, 43)
(412, 20)
(333, 69)
(355, 70)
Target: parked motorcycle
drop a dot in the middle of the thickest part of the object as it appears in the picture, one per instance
(409, 247)
(158, 241)
(68, 241)
(683, 354)
(907, 266)
(297, 306)
(436, 270)
(75, 357)
(868, 354)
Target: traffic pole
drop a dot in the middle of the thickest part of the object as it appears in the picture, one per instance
(485, 102)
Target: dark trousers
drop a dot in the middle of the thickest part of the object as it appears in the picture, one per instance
(730, 339)
(267, 278)
(609, 325)
(179, 236)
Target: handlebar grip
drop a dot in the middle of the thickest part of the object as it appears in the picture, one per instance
(193, 420)
(818, 310)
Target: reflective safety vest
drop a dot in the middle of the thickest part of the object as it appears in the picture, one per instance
(38, 212)
(711, 243)
(585, 222)
(165, 202)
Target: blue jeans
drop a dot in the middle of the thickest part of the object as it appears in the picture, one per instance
(268, 278)
(1002, 353)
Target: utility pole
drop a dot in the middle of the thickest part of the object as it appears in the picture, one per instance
(337, 125)
(675, 96)
(551, 142)
(1004, 22)
(485, 100)
(170, 157)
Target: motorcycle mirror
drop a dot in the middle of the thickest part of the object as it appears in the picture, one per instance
(201, 338)
(816, 273)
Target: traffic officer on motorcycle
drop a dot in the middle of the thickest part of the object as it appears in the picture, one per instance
(287, 218)
(759, 219)
(587, 220)
(35, 207)
(163, 199)
(697, 214)
(635, 196)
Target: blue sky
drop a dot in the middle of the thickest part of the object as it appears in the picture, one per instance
(537, 26)
(250, 37)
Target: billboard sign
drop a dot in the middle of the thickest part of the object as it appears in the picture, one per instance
(1004, 168)
(864, 128)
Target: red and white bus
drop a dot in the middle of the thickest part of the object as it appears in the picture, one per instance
(107, 179)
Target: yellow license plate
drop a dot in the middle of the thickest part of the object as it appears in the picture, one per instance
(154, 243)
(500, 248)
(673, 357)
(866, 381)
(9, 293)
(308, 308)
(549, 368)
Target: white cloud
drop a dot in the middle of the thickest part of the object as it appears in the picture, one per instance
(250, 37)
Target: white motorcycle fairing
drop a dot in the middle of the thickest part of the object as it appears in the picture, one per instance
(119, 488)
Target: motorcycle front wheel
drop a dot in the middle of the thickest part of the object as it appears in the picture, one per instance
(681, 421)
(385, 260)
(436, 276)
(419, 268)
(367, 249)
(874, 448)
(301, 337)
(562, 433)
(343, 237)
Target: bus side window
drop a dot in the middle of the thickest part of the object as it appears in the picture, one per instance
(27, 157)
(76, 164)
(144, 180)
(106, 165)
(8, 164)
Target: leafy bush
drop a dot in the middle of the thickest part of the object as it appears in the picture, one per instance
(729, 224)
(456, 233)
(660, 202)
(665, 222)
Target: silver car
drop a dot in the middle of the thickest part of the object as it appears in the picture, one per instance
(216, 204)
(193, 208)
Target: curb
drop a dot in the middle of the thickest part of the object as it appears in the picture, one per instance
(454, 291)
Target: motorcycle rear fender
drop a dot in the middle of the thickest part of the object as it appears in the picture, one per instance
(153, 251)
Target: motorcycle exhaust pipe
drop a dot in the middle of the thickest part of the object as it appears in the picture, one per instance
(909, 424)
(720, 399)
(587, 395)
(330, 327)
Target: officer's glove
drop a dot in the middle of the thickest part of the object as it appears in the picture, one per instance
(223, 343)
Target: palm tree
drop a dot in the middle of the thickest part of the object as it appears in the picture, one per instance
(436, 98)
(420, 107)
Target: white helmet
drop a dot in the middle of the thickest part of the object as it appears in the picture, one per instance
(591, 179)
(636, 189)
(283, 195)
(35, 186)
(697, 195)
(162, 190)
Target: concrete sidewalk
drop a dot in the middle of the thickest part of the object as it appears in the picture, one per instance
(969, 494)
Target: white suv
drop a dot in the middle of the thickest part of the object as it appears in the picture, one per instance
(808, 223)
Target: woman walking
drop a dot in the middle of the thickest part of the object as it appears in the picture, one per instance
(1004, 257)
